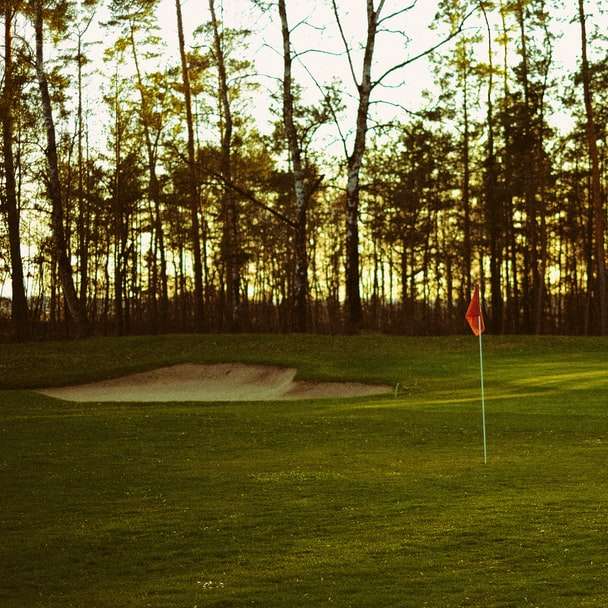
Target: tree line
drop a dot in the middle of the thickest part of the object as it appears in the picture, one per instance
(180, 213)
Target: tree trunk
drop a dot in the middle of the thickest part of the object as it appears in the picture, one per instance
(154, 195)
(540, 162)
(511, 319)
(19, 308)
(531, 276)
(193, 190)
(596, 194)
(83, 228)
(355, 160)
(118, 290)
(295, 153)
(230, 237)
(466, 187)
(76, 309)
(492, 200)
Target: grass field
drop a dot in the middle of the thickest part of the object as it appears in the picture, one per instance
(370, 502)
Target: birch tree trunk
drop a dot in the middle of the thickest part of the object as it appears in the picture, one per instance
(354, 162)
(295, 153)
(355, 158)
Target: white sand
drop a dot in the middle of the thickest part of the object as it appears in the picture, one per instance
(222, 382)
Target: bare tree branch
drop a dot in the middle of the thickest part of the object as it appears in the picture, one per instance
(81, 32)
(298, 24)
(378, 10)
(305, 22)
(269, 76)
(452, 35)
(253, 199)
(269, 46)
(405, 9)
(396, 105)
(346, 47)
(331, 109)
(397, 85)
(386, 30)
(320, 51)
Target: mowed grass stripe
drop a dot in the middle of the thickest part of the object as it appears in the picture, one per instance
(367, 502)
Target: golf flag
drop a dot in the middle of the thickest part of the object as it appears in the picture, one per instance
(474, 315)
(474, 318)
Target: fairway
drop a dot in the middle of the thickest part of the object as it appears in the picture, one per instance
(375, 502)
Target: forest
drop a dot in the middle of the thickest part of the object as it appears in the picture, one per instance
(157, 176)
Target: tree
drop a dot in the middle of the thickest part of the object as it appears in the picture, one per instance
(124, 186)
(138, 16)
(75, 306)
(599, 221)
(479, 182)
(457, 69)
(192, 174)
(506, 170)
(81, 59)
(230, 233)
(19, 307)
(365, 86)
(494, 212)
(298, 173)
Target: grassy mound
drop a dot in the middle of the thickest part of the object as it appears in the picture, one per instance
(366, 502)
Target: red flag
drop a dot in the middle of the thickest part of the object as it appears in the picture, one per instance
(474, 315)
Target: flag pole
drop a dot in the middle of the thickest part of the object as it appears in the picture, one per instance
(483, 404)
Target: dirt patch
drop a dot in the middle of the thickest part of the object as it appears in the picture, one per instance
(222, 382)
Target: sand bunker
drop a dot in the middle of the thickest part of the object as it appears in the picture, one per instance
(223, 382)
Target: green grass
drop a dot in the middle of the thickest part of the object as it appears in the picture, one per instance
(369, 502)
